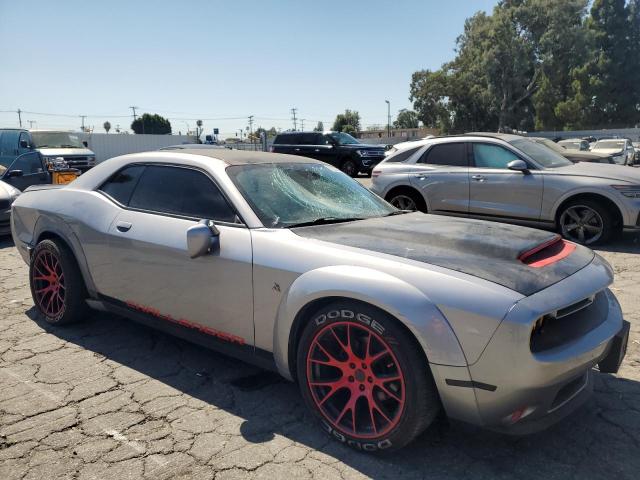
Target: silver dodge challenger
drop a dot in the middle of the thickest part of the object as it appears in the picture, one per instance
(383, 317)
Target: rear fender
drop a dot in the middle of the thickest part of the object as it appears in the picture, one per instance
(390, 294)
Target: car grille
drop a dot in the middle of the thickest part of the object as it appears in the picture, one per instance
(78, 161)
(373, 153)
(569, 323)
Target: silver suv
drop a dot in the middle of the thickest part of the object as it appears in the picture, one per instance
(511, 179)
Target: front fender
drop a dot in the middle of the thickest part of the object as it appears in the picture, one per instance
(392, 295)
(589, 190)
(48, 223)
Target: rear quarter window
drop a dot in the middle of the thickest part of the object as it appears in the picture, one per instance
(120, 186)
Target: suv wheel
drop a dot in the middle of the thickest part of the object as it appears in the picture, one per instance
(349, 167)
(365, 378)
(57, 286)
(586, 222)
(407, 200)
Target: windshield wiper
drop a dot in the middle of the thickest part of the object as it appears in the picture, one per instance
(398, 212)
(323, 221)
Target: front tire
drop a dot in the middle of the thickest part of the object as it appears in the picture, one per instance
(365, 378)
(407, 199)
(57, 286)
(586, 222)
(350, 168)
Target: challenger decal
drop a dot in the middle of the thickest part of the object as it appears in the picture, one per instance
(227, 337)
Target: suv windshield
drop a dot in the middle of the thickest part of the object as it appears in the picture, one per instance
(287, 194)
(56, 140)
(541, 154)
(343, 138)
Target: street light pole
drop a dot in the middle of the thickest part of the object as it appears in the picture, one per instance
(388, 118)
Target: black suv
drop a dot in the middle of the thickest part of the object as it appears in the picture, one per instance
(336, 148)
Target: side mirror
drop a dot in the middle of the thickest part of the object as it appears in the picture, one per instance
(24, 144)
(86, 145)
(13, 173)
(518, 166)
(202, 238)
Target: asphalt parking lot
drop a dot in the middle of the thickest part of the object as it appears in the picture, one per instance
(108, 398)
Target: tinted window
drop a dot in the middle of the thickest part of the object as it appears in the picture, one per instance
(453, 154)
(310, 139)
(492, 156)
(121, 185)
(403, 155)
(180, 191)
(287, 139)
(29, 163)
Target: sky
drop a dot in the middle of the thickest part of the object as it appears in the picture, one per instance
(219, 61)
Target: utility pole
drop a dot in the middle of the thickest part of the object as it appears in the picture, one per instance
(388, 118)
(251, 128)
(302, 124)
(134, 112)
(295, 124)
(31, 122)
(19, 118)
(82, 117)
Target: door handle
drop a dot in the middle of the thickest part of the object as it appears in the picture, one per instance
(421, 176)
(317, 150)
(296, 149)
(123, 226)
(479, 178)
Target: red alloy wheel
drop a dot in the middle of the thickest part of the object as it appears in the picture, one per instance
(355, 380)
(48, 284)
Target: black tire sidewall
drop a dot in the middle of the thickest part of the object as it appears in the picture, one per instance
(421, 205)
(421, 399)
(354, 173)
(75, 292)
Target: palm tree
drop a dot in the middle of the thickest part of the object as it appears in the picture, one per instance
(106, 126)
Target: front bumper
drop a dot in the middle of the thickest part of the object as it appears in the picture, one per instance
(535, 390)
(366, 164)
(5, 222)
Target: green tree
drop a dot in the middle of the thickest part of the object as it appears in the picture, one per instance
(349, 118)
(151, 124)
(319, 127)
(106, 126)
(350, 129)
(406, 119)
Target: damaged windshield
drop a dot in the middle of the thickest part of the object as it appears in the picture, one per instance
(290, 194)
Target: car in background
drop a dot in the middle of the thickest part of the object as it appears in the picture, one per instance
(636, 147)
(8, 195)
(335, 148)
(574, 144)
(384, 318)
(620, 149)
(574, 155)
(30, 168)
(509, 178)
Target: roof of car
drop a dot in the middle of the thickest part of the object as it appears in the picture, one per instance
(571, 140)
(507, 137)
(242, 157)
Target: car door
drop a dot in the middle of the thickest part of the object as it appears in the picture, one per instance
(26, 170)
(496, 191)
(8, 147)
(441, 175)
(318, 146)
(150, 269)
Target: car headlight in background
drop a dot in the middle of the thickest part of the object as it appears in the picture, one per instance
(13, 192)
(631, 191)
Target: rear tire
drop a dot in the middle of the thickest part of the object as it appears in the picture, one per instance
(57, 286)
(365, 378)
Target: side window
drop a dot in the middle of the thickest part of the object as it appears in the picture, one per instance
(309, 139)
(120, 186)
(452, 154)
(24, 137)
(180, 191)
(492, 156)
(29, 163)
(403, 155)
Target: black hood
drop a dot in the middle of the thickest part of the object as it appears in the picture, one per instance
(363, 146)
(483, 249)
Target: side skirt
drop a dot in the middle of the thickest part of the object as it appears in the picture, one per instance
(247, 353)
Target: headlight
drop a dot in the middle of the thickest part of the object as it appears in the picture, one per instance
(13, 192)
(631, 191)
(360, 152)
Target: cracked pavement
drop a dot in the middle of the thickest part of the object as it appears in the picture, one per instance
(110, 399)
